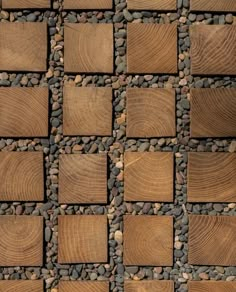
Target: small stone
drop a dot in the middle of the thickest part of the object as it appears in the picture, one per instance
(118, 236)
(78, 78)
(48, 234)
(128, 16)
(232, 147)
(229, 18)
(93, 276)
(203, 276)
(144, 147)
(31, 17)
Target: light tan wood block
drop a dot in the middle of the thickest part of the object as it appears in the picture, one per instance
(151, 4)
(21, 241)
(21, 286)
(212, 240)
(25, 4)
(213, 5)
(85, 4)
(148, 240)
(89, 241)
(83, 286)
(149, 286)
(211, 286)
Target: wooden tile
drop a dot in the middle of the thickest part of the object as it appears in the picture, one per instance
(211, 286)
(83, 286)
(213, 5)
(23, 46)
(149, 286)
(83, 178)
(21, 176)
(151, 48)
(21, 286)
(25, 4)
(213, 112)
(149, 176)
(85, 4)
(24, 112)
(83, 41)
(213, 50)
(148, 240)
(87, 111)
(89, 241)
(150, 112)
(212, 177)
(212, 240)
(21, 240)
(151, 4)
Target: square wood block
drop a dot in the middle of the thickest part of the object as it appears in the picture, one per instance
(213, 5)
(211, 286)
(21, 286)
(85, 4)
(149, 286)
(151, 4)
(25, 4)
(83, 286)
(89, 241)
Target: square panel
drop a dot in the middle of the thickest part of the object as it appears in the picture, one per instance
(221, 104)
(211, 286)
(21, 240)
(88, 48)
(85, 4)
(89, 241)
(149, 286)
(213, 5)
(212, 240)
(21, 286)
(149, 176)
(213, 49)
(23, 46)
(150, 112)
(83, 286)
(83, 178)
(87, 111)
(25, 4)
(151, 4)
(151, 48)
(148, 240)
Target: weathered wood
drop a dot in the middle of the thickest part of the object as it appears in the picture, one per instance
(25, 4)
(84, 286)
(149, 286)
(213, 5)
(211, 286)
(151, 4)
(85, 4)
(21, 286)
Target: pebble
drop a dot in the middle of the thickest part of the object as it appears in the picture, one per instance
(118, 236)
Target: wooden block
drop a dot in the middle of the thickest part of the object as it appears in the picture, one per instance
(85, 4)
(23, 46)
(212, 177)
(21, 240)
(25, 4)
(21, 176)
(149, 286)
(87, 111)
(213, 112)
(89, 241)
(150, 112)
(149, 176)
(151, 48)
(212, 240)
(213, 50)
(83, 178)
(24, 111)
(211, 286)
(148, 240)
(213, 5)
(88, 48)
(151, 4)
(83, 286)
(21, 286)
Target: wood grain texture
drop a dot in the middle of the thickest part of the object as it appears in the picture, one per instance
(83, 178)
(211, 286)
(87, 111)
(21, 176)
(21, 286)
(21, 240)
(83, 41)
(89, 241)
(151, 48)
(221, 104)
(213, 5)
(213, 49)
(212, 240)
(149, 286)
(25, 4)
(23, 46)
(24, 112)
(148, 240)
(151, 4)
(85, 4)
(212, 177)
(150, 112)
(83, 286)
(149, 176)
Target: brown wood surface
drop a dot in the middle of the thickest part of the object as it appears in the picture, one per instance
(212, 240)
(149, 286)
(24, 112)
(151, 48)
(89, 241)
(212, 177)
(213, 112)
(150, 112)
(23, 46)
(148, 240)
(85, 4)
(149, 176)
(213, 49)
(21, 176)
(83, 286)
(211, 286)
(151, 4)
(21, 286)
(87, 111)
(83, 178)
(21, 240)
(213, 5)
(88, 48)
(24, 4)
